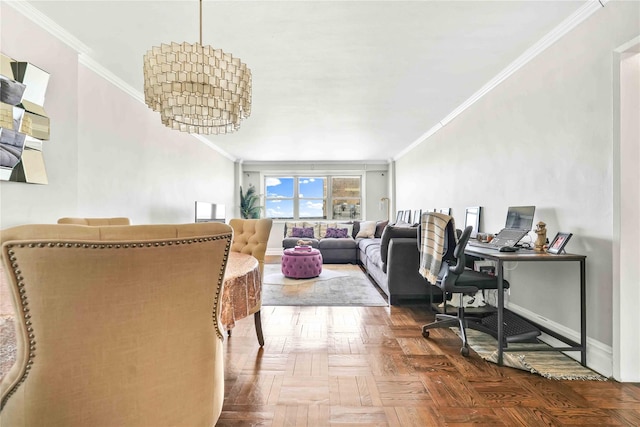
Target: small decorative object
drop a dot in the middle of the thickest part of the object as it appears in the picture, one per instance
(559, 242)
(541, 240)
(484, 237)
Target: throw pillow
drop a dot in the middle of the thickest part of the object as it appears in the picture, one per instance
(324, 226)
(336, 233)
(355, 229)
(302, 232)
(314, 225)
(348, 226)
(289, 227)
(380, 225)
(367, 229)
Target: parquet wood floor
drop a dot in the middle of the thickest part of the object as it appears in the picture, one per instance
(370, 366)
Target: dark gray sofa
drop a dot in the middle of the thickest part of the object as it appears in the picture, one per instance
(333, 250)
(392, 261)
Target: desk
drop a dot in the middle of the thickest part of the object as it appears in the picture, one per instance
(242, 289)
(526, 255)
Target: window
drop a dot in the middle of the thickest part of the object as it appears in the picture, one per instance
(279, 197)
(313, 197)
(345, 198)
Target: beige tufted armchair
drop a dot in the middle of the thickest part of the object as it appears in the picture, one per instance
(95, 221)
(117, 325)
(250, 236)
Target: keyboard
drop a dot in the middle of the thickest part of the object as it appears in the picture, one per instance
(510, 235)
(506, 237)
(478, 244)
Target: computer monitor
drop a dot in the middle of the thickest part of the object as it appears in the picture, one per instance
(210, 212)
(520, 217)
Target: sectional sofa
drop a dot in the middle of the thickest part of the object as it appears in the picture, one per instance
(334, 250)
(389, 254)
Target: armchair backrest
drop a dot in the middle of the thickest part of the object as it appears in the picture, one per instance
(95, 221)
(250, 236)
(116, 325)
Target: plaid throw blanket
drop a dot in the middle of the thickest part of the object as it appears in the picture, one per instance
(432, 245)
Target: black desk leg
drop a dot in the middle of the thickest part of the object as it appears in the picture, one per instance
(500, 311)
(583, 313)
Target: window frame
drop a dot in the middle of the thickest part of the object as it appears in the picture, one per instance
(327, 200)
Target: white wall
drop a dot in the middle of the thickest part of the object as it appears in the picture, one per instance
(626, 259)
(543, 137)
(29, 203)
(109, 155)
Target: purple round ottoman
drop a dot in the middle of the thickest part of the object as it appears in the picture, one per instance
(301, 263)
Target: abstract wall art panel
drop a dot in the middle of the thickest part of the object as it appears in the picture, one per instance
(24, 123)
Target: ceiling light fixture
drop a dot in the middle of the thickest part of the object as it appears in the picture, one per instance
(196, 88)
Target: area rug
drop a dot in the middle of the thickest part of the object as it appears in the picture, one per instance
(277, 278)
(549, 364)
(338, 285)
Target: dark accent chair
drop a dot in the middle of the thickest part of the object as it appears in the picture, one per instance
(455, 278)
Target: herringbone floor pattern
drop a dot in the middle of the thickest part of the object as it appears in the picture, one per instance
(370, 366)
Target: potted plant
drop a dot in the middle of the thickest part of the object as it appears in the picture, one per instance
(249, 207)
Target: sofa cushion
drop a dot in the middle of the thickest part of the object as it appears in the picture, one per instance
(306, 232)
(336, 233)
(348, 226)
(367, 229)
(355, 229)
(341, 243)
(288, 227)
(380, 225)
(391, 231)
(364, 243)
(373, 254)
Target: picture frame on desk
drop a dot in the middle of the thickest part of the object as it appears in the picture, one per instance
(417, 216)
(559, 242)
(472, 218)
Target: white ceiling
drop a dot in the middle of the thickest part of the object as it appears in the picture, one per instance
(340, 80)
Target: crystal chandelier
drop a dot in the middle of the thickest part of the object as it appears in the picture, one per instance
(196, 88)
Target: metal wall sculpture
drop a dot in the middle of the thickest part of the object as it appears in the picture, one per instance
(24, 124)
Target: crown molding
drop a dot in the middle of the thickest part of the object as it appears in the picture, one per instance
(85, 59)
(575, 19)
(103, 72)
(49, 25)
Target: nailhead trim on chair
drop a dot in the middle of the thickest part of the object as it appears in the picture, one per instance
(24, 299)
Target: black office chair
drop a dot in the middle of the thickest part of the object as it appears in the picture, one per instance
(455, 278)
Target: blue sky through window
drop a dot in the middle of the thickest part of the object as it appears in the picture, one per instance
(280, 197)
(310, 187)
(279, 202)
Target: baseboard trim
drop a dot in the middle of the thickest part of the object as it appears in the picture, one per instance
(599, 355)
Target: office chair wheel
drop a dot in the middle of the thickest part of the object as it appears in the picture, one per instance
(464, 351)
(425, 333)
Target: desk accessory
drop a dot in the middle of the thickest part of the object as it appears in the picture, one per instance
(541, 240)
(559, 242)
